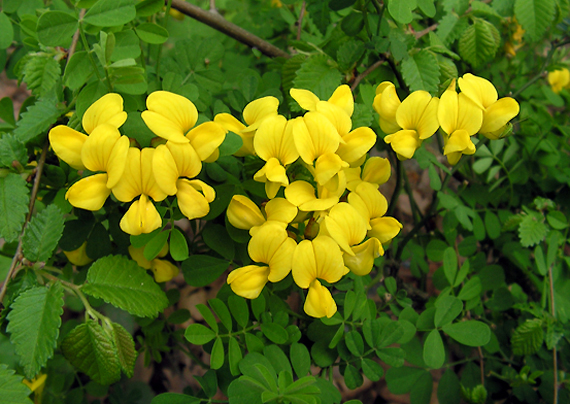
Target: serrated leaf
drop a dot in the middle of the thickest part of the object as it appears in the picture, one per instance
(450, 28)
(12, 390)
(320, 14)
(319, 75)
(122, 283)
(535, 16)
(41, 72)
(34, 323)
(37, 119)
(42, 234)
(532, 231)
(421, 72)
(479, 42)
(349, 53)
(56, 28)
(110, 13)
(125, 349)
(90, 349)
(528, 337)
(11, 149)
(14, 201)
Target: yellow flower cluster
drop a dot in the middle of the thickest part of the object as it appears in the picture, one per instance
(148, 174)
(559, 79)
(476, 109)
(329, 221)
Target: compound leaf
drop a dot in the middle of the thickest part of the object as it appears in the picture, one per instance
(14, 200)
(37, 119)
(535, 16)
(42, 234)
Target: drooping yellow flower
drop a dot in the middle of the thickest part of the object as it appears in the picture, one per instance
(496, 112)
(172, 117)
(342, 98)
(105, 150)
(67, 143)
(138, 180)
(320, 258)
(274, 143)
(376, 170)
(79, 256)
(559, 79)
(253, 114)
(460, 118)
(270, 245)
(386, 103)
(417, 116)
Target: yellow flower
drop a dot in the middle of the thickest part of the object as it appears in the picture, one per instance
(460, 118)
(253, 114)
(79, 256)
(270, 245)
(417, 116)
(243, 214)
(319, 302)
(302, 195)
(559, 79)
(37, 385)
(376, 170)
(138, 179)
(496, 112)
(342, 98)
(386, 103)
(274, 143)
(163, 270)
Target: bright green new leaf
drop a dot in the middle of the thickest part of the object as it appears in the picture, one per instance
(199, 334)
(557, 220)
(421, 71)
(125, 349)
(13, 206)
(434, 351)
(122, 283)
(90, 349)
(34, 326)
(479, 42)
(110, 13)
(155, 245)
(532, 231)
(152, 33)
(41, 73)
(470, 333)
(56, 28)
(42, 234)
(528, 337)
(535, 16)
(12, 390)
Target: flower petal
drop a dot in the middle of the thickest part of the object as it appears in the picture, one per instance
(206, 138)
(479, 90)
(306, 99)
(98, 146)
(89, 193)
(345, 226)
(410, 111)
(117, 161)
(266, 241)
(362, 262)
(327, 166)
(280, 263)
(130, 184)
(328, 257)
(248, 281)
(165, 170)
(336, 115)
(319, 302)
(106, 110)
(142, 217)
(386, 104)
(314, 136)
(148, 182)
(384, 228)
(304, 266)
(79, 256)
(377, 170)
(137, 254)
(404, 142)
(163, 270)
(281, 210)
(358, 143)
(170, 115)
(67, 144)
(192, 203)
(498, 114)
(256, 111)
(343, 98)
(243, 214)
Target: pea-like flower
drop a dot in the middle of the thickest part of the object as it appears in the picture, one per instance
(243, 214)
(559, 79)
(163, 270)
(386, 103)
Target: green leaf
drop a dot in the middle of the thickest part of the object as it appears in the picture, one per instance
(12, 390)
(349, 53)
(275, 333)
(222, 312)
(555, 219)
(125, 349)
(401, 380)
(471, 289)
(37, 119)
(34, 323)
(152, 33)
(232, 143)
(40, 73)
(91, 350)
(42, 234)
(320, 14)
(434, 179)
(450, 264)
(319, 75)
(401, 10)
(449, 388)
(6, 31)
(234, 356)
(470, 333)
(532, 231)
(535, 16)
(78, 70)
(147, 8)
(178, 245)
(14, 201)
(527, 338)
(155, 245)
(300, 359)
(492, 224)
(127, 45)
(240, 310)
(421, 71)
(122, 283)
(434, 352)
(217, 356)
(217, 238)
(11, 149)
(199, 334)
(450, 27)
(56, 28)
(372, 370)
(447, 309)
(427, 7)
(355, 343)
(479, 42)
(111, 13)
(245, 391)
(201, 270)
(352, 377)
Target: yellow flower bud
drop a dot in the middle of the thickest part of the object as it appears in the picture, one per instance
(78, 257)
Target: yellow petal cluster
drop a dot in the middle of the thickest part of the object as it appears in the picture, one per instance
(306, 227)
(476, 109)
(559, 79)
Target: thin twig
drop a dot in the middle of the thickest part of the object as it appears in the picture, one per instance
(300, 21)
(423, 32)
(18, 254)
(219, 23)
(365, 73)
(482, 366)
(75, 37)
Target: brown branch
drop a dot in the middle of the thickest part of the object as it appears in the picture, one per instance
(18, 254)
(423, 32)
(300, 21)
(365, 73)
(219, 23)
(75, 37)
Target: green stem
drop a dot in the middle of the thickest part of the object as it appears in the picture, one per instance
(159, 53)
(88, 50)
(554, 354)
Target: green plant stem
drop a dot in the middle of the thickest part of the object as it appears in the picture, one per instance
(536, 77)
(88, 50)
(554, 353)
(159, 53)
(191, 355)
(14, 267)
(216, 21)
